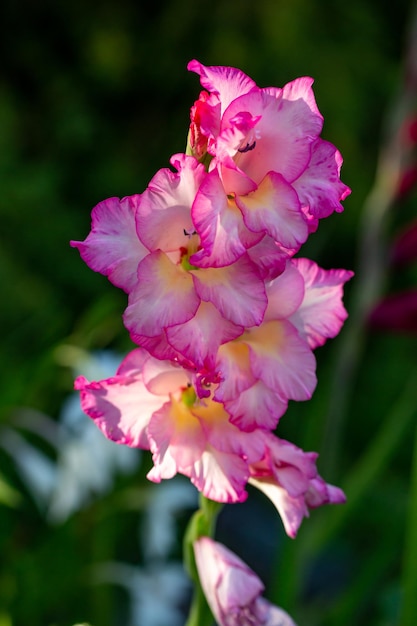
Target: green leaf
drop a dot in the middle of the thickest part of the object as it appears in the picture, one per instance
(9, 497)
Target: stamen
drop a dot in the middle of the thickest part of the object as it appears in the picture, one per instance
(248, 147)
(189, 233)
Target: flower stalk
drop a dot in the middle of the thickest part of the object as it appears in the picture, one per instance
(201, 524)
(225, 317)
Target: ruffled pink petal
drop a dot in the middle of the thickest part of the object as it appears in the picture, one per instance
(233, 364)
(283, 135)
(224, 436)
(282, 359)
(133, 363)
(200, 443)
(291, 510)
(274, 209)
(269, 257)
(163, 297)
(163, 378)
(291, 467)
(285, 293)
(157, 346)
(320, 492)
(321, 314)
(288, 477)
(163, 218)
(237, 291)
(234, 181)
(237, 138)
(301, 89)
(177, 441)
(121, 406)
(220, 476)
(256, 407)
(199, 338)
(112, 247)
(223, 234)
(319, 187)
(226, 82)
(223, 471)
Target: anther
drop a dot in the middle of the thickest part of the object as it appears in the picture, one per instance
(189, 233)
(248, 147)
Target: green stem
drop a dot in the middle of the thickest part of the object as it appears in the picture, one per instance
(200, 614)
(409, 605)
(202, 524)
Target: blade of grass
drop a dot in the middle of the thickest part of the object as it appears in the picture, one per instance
(409, 582)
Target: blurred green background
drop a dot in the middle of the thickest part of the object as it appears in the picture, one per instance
(94, 98)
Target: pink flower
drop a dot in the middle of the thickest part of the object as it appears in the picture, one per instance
(270, 172)
(113, 247)
(153, 404)
(233, 591)
(266, 366)
(144, 244)
(226, 318)
(321, 314)
(288, 476)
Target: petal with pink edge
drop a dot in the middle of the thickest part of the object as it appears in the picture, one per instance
(163, 378)
(291, 510)
(233, 365)
(237, 291)
(223, 234)
(226, 82)
(285, 293)
(274, 208)
(283, 135)
(163, 218)
(199, 338)
(319, 187)
(256, 407)
(269, 257)
(177, 440)
(157, 346)
(220, 476)
(120, 406)
(226, 437)
(288, 477)
(320, 492)
(321, 314)
(282, 359)
(224, 466)
(301, 88)
(113, 247)
(292, 468)
(163, 297)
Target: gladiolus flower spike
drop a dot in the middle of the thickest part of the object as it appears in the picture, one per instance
(224, 317)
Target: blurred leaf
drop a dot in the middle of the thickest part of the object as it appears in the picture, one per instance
(8, 496)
